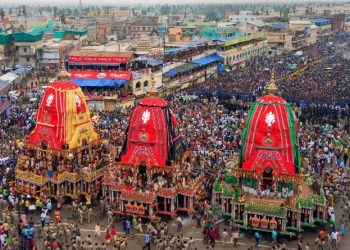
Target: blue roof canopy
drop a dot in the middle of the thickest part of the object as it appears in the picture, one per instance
(208, 59)
(219, 40)
(321, 21)
(150, 61)
(20, 71)
(279, 25)
(182, 48)
(154, 62)
(99, 83)
(170, 73)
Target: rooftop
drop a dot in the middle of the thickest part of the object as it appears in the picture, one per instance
(5, 38)
(101, 53)
(257, 22)
(28, 36)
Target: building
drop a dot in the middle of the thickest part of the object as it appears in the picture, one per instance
(253, 27)
(143, 27)
(338, 22)
(290, 37)
(347, 25)
(242, 18)
(5, 102)
(182, 33)
(6, 50)
(238, 50)
(179, 75)
(226, 33)
(27, 47)
(120, 13)
(332, 9)
(324, 27)
(97, 33)
(54, 52)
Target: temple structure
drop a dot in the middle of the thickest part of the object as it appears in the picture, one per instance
(63, 155)
(266, 189)
(150, 178)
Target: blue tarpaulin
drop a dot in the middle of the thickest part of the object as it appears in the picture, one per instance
(170, 73)
(20, 71)
(184, 68)
(20, 66)
(208, 59)
(171, 51)
(154, 62)
(321, 21)
(279, 25)
(182, 48)
(98, 82)
(150, 61)
(219, 40)
(221, 68)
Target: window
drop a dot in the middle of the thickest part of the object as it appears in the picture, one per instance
(28, 59)
(145, 86)
(143, 28)
(25, 50)
(138, 85)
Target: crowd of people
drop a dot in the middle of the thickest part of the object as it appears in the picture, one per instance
(211, 123)
(44, 163)
(317, 75)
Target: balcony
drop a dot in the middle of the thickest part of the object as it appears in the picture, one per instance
(300, 37)
(4, 105)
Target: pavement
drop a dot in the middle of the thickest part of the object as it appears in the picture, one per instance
(136, 239)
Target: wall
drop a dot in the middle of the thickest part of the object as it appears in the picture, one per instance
(124, 104)
(240, 54)
(96, 105)
(143, 79)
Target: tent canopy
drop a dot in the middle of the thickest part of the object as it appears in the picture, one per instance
(20, 71)
(205, 60)
(99, 82)
(150, 61)
(9, 77)
(182, 48)
(181, 69)
(3, 84)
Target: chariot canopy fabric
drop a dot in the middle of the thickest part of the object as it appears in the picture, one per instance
(269, 138)
(150, 134)
(63, 118)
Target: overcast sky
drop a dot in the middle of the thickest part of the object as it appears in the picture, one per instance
(126, 2)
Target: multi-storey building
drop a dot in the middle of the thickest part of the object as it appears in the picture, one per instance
(27, 46)
(182, 33)
(324, 27)
(143, 27)
(6, 50)
(290, 37)
(238, 50)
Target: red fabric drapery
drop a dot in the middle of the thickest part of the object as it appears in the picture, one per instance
(98, 59)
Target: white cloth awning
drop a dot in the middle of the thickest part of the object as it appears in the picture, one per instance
(9, 77)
